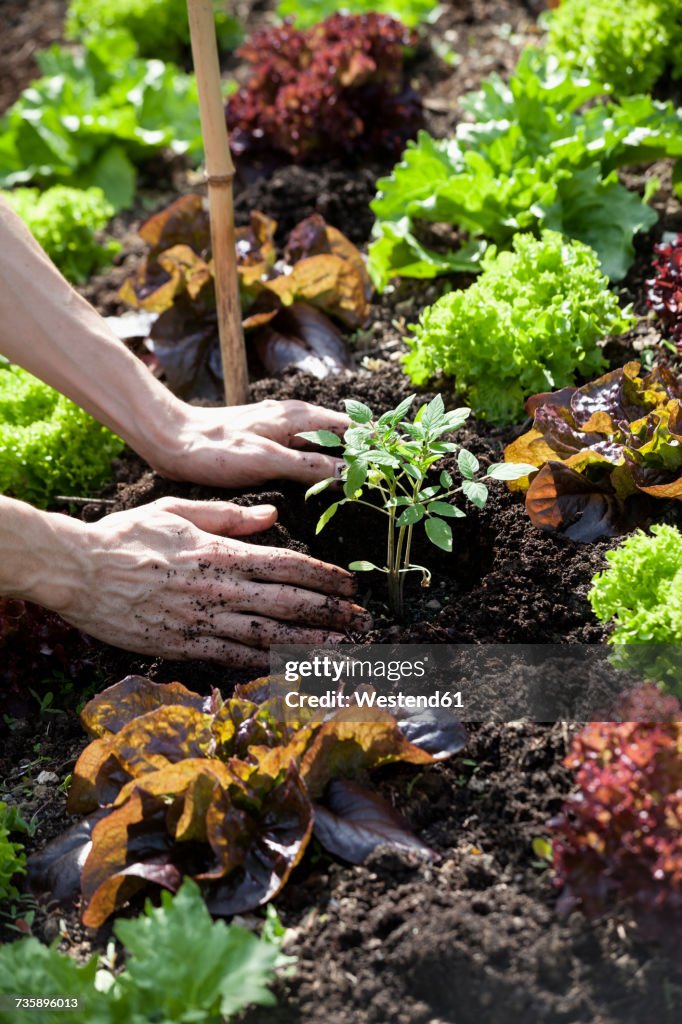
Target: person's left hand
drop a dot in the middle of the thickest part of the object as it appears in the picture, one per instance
(249, 444)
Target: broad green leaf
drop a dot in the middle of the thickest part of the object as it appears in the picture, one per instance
(363, 566)
(115, 174)
(444, 447)
(326, 516)
(414, 472)
(358, 439)
(320, 486)
(468, 464)
(233, 971)
(357, 411)
(394, 416)
(439, 533)
(432, 415)
(355, 478)
(457, 417)
(476, 492)
(442, 508)
(446, 479)
(381, 459)
(324, 438)
(413, 514)
(510, 470)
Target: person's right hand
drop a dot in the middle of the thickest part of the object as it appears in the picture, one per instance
(168, 579)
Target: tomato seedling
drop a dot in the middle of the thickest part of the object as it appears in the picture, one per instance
(391, 457)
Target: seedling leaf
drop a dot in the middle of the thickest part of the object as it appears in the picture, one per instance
(326, 516)
(468, 464)
(439, 533)
(443, 508)
(476, 492)
(510, 470)
(355, 478)
(413, 514)
(358, 411)
(324, 438)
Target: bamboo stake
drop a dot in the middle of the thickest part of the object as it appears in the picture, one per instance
(219, 175)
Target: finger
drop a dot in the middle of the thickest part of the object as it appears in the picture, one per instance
(222, 517)
(236, 655)
(313, 417)
(279, 565)
(305, 466)
(259, 631)
(294, 604)
(193, 646)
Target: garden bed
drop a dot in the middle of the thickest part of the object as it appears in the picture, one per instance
(474, 937)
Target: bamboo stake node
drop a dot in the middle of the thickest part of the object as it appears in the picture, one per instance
(219, 176)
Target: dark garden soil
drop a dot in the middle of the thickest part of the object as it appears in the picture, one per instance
(25, 27)
(475, 937)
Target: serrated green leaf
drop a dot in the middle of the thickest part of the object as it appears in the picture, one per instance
(468, 464)
(433, 414)
(355, 478)
(358, 411)
(443, 508)
(382, 459)
(457, 417)
(320, 486)
(476, 492)
(324, 438)
(439, 533)
(358, 439)
(393, 416)
(402, 409)
(326, 516)
(510, 470)
(414, 472)
(444, 447)
(412, 514)
(233, 971)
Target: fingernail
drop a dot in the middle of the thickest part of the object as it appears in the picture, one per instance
(263, 511)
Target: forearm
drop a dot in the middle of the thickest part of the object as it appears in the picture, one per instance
(50, 330)
(40, 554)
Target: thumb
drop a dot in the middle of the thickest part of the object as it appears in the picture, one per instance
(223, 517)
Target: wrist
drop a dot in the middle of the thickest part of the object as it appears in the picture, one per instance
(41, 554)
(174, 439)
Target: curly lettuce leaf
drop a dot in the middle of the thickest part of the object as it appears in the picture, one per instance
(532, 320)
(48, 445)
(65, 221)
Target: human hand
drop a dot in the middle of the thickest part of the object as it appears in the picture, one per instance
(169, 579)
(248, 444)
